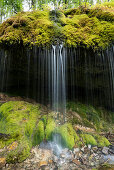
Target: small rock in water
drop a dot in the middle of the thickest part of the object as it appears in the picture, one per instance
(76, 162)
(82, 149)
(63, 155)
(65, 150)
(105, 150)
(89, 146)
(76, 150)
(111, 149)
(55, 158)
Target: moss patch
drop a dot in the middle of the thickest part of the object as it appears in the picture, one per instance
(102, 141)
(90, 116)
(88, 139)
(27, 28)
(50, 127)
(17, 123)
(69, 136)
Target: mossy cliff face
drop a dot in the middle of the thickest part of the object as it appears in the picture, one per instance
(22, 126)
(88, 27)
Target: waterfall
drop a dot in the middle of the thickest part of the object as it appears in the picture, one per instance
(49, 77)
(58, 74)
(58, 64)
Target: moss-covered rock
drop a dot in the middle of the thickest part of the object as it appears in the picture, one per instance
(101, 141)
(88, 139)
(68, 134)
(27, 28)
(20, 153)
(17, 123)
(38, 134)
(89, 115)
(50, 127)
(83, 26)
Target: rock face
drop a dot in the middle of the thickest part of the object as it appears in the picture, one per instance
(105, 150)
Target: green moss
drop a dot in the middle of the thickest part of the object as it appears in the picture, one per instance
(14, 114)
(102, 141)
(88, 32)
(90, 116)
(18, 121)
(50, 127)
(88, 139)
(82, 26)
(29, 28)
(69, 136)
(38, 134)
(20, 153)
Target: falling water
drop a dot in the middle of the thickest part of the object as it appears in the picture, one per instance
(58, 79)
(56, 75)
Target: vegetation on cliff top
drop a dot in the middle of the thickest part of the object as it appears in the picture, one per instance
(82, 26)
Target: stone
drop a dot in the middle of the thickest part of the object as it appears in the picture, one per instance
(55, 159)
(76, 162)
(105, 150)
(92, 164)
(76, 150)
(65, 150)
(82, 149)
(43, 163)
(2, 162)
(42, 154)
(63, 155)
(89, 146)
(95, 149)
(50, 161)
(86, 150)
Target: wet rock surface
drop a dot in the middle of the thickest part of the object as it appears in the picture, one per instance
(85, 158)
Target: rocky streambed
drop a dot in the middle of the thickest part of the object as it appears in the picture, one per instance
(49, 156)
